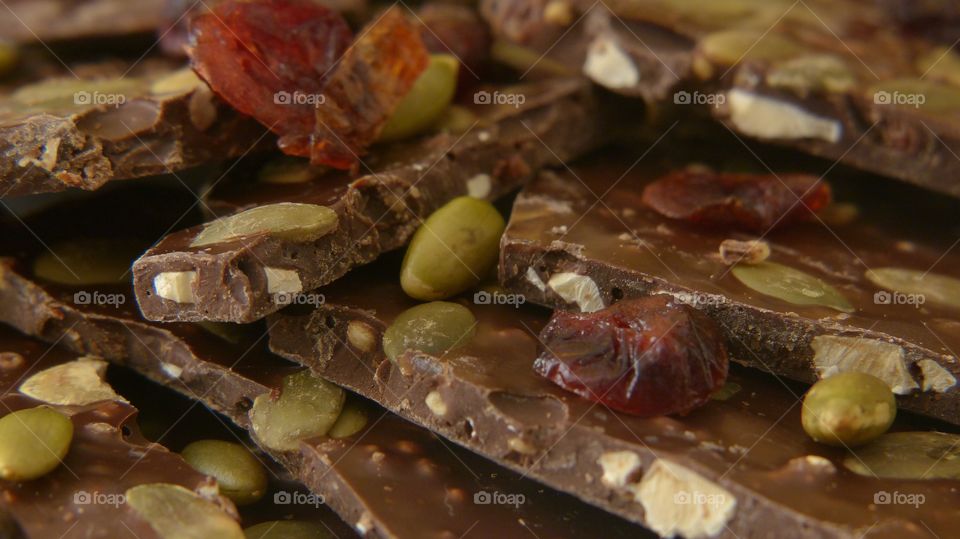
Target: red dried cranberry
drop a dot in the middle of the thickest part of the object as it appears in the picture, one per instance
(647, 356)
(751, 202)
(250, 52)
(261, 56)
(370, 80)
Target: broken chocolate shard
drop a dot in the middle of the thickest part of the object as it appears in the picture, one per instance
(28, 21)
(736, 467)
(63, 132)
(809, 311)
(246, 278)
(86, 495)
(839, 80)
(386, 480)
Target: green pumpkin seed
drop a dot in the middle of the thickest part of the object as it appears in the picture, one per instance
(728, 390)
(732, 46)
(240, 475)
(351, 421)
(791, 285)
(816, 73)
(9, 56)
(428, 98)
(456, 120)
(848, 409)
(432, 328)
(287, 170)
(177, 513)
(287, 529)
(525, 60)
(935, 288)
(941, 63)
(909, 455)
(308, 406)
(453, 250)
(33, 442)
(88, 261)
(287, 220)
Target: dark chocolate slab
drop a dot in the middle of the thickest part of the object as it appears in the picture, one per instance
(668, 51)
(391, 480)
(83, 498)
(376, 213)
(746, 458)
(64, 132)
(627, 250)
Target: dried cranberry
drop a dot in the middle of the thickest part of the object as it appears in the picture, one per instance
(751, 202)
(291, 65)
(647, 356)
(370, 80)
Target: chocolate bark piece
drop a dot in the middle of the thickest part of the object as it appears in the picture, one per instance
(25, 21)
(745, 451)
(84, 496)
(65, 132)
(387, 480)
(246, 278)
(839, 80)
(619, 248)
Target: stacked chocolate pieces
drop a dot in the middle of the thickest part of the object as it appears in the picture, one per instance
(523, 268)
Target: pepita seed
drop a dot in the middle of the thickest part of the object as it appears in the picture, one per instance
(88, 261)
(941, 63)
(33, 442)
(729, 47)
(177, 513)
(790, 285)
(352, 419)
(909, 455)
(933, 287)
(453, 250)
(815, 73)
(308, 406)
(287, 220)
(240, 475)
(848, 409)
(428, 98)
(431, 328)
(287, 170)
